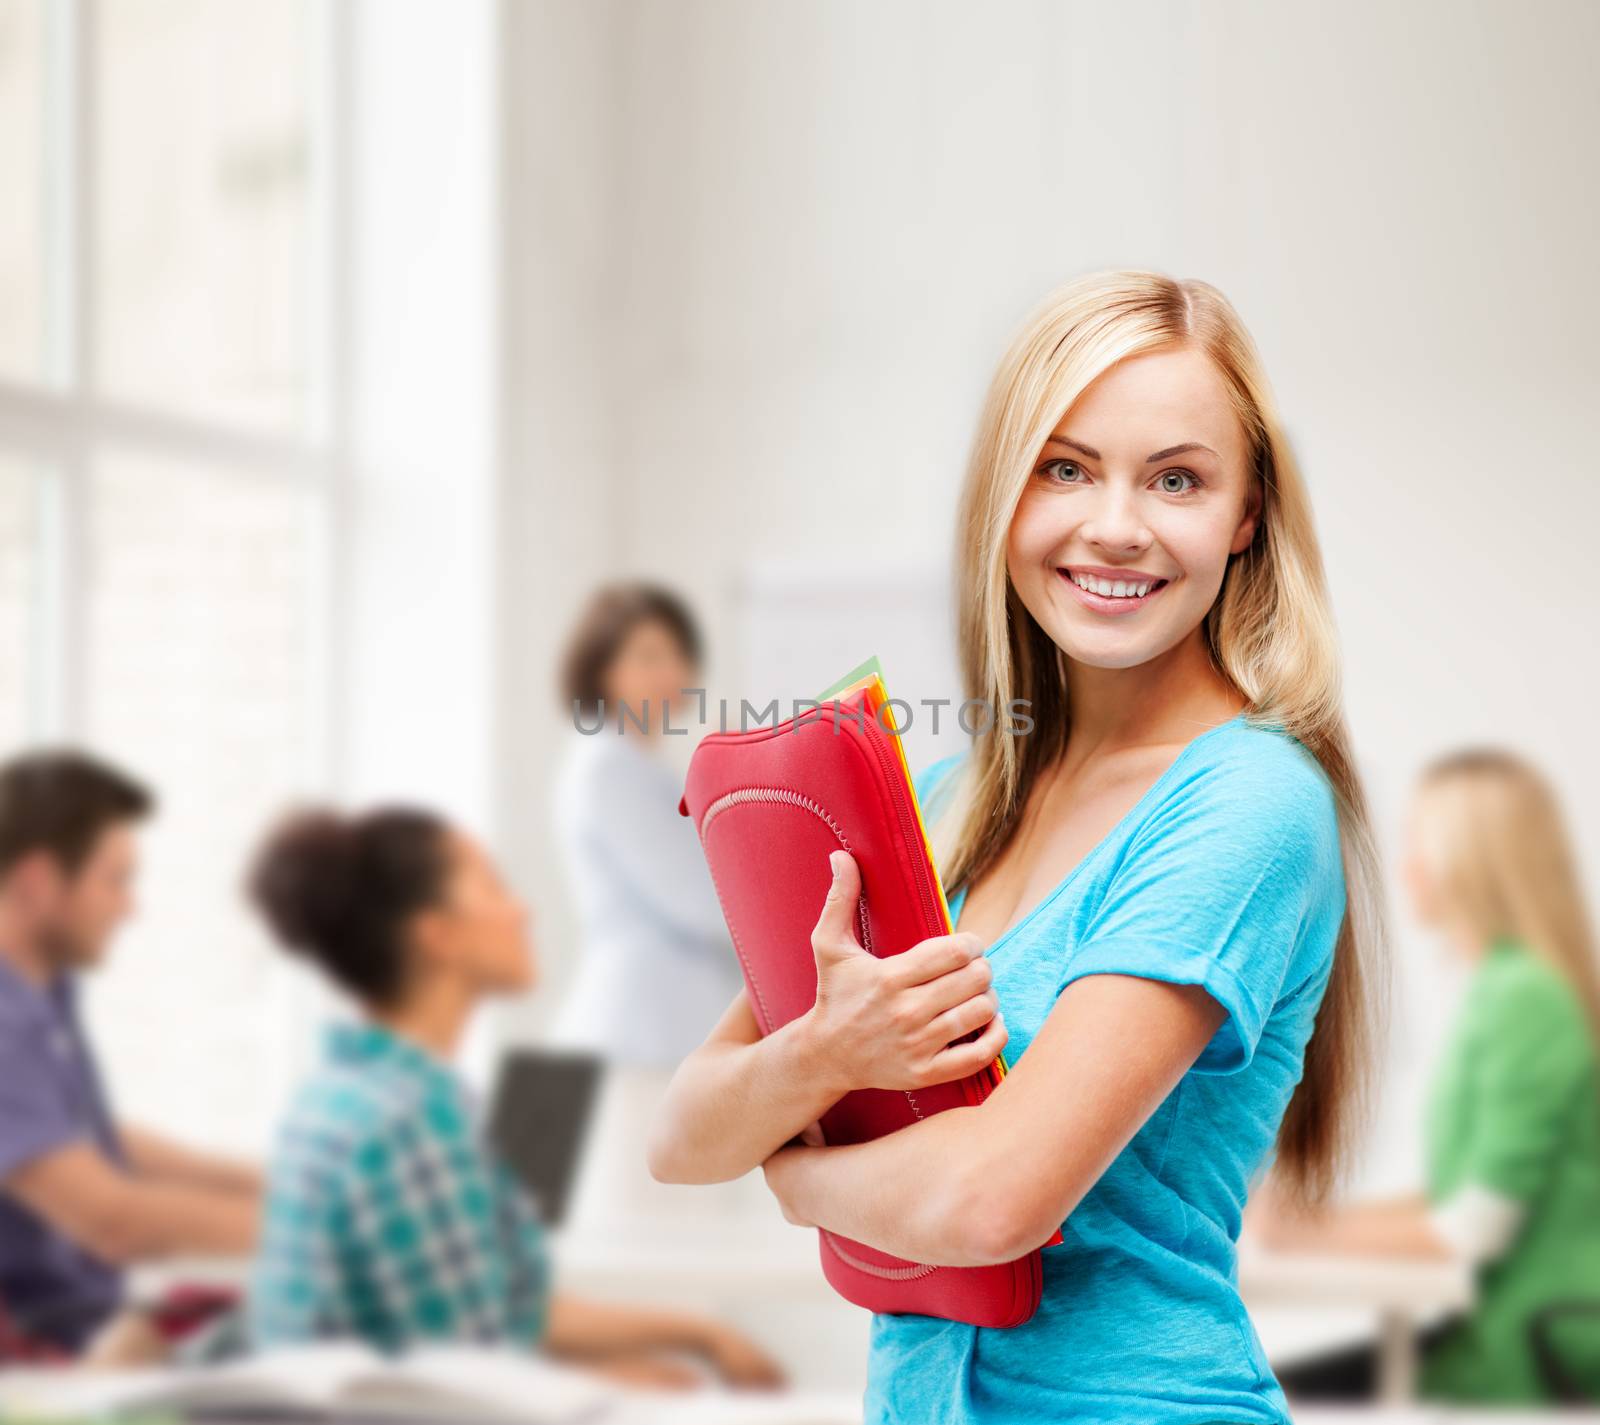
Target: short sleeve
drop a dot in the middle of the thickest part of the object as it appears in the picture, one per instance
(1234, 883)
(1533, 1062)
(36, 1116)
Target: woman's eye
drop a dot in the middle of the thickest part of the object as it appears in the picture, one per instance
(1064, 471)
(1172, 482)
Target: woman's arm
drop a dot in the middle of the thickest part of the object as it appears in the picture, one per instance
(738, 1097)
(1396, 1227)
(885, 1023)
(1387, 1226)
(973, 1186)
(598, 1331)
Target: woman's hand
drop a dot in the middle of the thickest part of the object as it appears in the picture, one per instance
(651, 1347)
(739, 1360)
(1395, 1227)
(647, 1371)
(886, 1023)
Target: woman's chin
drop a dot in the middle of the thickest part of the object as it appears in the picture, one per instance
(1110, 651)
(514, 984)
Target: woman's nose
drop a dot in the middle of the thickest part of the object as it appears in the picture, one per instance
(1114, 523)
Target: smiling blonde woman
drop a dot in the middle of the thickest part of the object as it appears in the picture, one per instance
(1168, 884)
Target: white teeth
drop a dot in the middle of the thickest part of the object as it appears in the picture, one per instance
(1113, 589)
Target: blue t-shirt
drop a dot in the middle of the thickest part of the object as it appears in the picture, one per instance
(1227, 874)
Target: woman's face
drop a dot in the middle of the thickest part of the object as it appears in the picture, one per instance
(649, 671)
(1416, 871)
(480, 929)
(1141, 494)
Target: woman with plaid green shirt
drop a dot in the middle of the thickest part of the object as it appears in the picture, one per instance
(388, 1217)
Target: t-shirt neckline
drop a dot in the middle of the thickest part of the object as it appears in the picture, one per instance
(1061, 886)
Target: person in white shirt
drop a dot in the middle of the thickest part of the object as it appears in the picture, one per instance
(655, 967)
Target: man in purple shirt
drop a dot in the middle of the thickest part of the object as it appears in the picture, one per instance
(81, 1196)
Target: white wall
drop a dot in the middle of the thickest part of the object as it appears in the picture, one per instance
(421, 576)
(415, 689)
(557, 535)
(762, 260)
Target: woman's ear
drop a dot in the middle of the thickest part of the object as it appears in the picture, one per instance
(430, 939)
(1248, 520)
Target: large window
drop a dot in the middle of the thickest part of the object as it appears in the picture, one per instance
(22, 284)
(19, 596)
(168, 441)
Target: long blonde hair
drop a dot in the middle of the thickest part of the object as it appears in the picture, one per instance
(1270, 632)
(1494, 840)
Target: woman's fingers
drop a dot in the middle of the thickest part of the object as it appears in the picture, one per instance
(967, 981)
(932, 958)
(835, 930)
(961, 1059)
(962, 1019)
(887, 1018)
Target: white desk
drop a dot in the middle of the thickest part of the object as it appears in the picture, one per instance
(782, 1264)
(779, 1263)
(1404, 1294)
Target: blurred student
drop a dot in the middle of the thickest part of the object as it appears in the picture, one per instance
(1513, 1126)
(388, 1216)
(81, 1195)
(656, 966)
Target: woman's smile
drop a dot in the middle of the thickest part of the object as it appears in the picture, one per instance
(1111, 591)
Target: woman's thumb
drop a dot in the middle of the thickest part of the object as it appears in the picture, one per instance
(836, 925)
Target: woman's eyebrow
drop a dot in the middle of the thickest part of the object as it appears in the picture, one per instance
(1094, 454)
(1179, 450)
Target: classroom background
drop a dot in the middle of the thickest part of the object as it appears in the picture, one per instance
(347, 345)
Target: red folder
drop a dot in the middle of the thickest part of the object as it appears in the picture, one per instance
(770, 804)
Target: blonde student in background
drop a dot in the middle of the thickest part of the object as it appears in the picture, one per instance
(1168, 883)
(1512, 1135)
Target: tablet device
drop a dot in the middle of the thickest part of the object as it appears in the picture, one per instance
(543, 1104)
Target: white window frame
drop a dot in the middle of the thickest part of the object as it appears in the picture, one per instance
(57, 425)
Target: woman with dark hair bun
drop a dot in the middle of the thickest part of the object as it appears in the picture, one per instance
(388, 1217)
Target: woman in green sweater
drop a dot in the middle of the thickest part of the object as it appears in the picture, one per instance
(1513, 1124)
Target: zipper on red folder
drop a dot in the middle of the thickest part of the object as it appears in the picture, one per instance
(908, 820)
